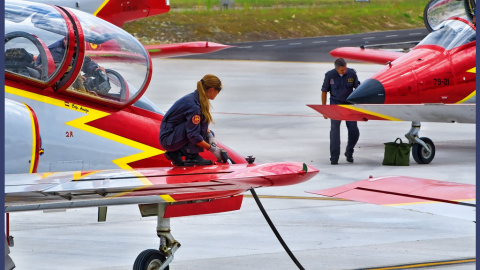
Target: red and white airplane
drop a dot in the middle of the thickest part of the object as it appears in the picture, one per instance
(74, 140)
(434, 82)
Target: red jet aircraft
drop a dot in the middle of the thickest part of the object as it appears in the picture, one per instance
(74, 140)
(434, 82)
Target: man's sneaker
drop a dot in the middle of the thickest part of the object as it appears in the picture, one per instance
(334, 162)
(196, 159)
(349, 158)
(175, 157)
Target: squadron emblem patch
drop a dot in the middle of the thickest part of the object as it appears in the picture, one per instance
(196, 119)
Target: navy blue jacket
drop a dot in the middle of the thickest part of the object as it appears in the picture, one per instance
(57, 49)
(185, 110)
(340, 87)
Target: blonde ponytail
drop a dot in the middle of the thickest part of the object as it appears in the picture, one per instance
(208, 81)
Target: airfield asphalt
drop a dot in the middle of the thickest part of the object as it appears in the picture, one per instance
(262, 111)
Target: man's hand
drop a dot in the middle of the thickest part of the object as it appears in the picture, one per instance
(325, 117)
(216, 151)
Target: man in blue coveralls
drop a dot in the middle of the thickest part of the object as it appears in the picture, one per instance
(57, 49)
(340, 83)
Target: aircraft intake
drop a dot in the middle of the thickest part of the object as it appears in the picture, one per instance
(371, 91)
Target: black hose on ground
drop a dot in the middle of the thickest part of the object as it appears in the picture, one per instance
(272, 226)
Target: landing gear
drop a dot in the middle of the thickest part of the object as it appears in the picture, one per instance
(423, 149)
(152, 259)
(421, 154)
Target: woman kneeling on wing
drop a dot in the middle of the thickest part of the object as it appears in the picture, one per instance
(184, 129)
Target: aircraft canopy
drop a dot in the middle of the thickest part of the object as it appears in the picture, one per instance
(74, 52)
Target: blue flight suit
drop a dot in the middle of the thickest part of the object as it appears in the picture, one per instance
(183, 126)
(340, 87)
(57, 49)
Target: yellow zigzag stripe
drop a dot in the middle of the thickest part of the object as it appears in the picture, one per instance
(80, 123)
(350, 107)
(472, 70)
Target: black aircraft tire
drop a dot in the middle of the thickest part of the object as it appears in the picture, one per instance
(149, 259)
(419, 153)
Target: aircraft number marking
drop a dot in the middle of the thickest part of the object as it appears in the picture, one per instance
(445, 81)
(130, 8)
(69, 134)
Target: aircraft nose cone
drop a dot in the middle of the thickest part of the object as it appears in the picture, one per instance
(371, 91)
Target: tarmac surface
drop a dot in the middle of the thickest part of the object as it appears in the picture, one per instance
(262, 112)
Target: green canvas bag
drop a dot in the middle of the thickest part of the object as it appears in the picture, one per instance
(397, 154)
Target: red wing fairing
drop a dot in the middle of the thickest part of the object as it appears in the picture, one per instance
(182, 49)
(443, 113)
(366, 55)
(153, 185)
(423, 195)
(110, 50)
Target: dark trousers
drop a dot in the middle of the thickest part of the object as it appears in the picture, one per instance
(177, 139)
(353, 135)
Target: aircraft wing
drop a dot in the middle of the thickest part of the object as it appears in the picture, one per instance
(158, 50)
(443, 113)
(183, 49)
(423, 195)
(64, 190)
(366, 55)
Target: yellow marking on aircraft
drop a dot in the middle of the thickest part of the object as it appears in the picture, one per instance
(472, 70)
(418, 265)
(370, 113)
(468, 97)
(100, 7)
(91, 115)
(167, 198)
(34, 137)
(48, 174)
(77, 175)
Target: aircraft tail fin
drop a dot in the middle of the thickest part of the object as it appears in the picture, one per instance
(119, 12)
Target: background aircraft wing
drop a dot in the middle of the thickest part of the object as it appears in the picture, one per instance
(424, 195)
(366, 55)
(443, 113)
(183, 49)
(153, 185)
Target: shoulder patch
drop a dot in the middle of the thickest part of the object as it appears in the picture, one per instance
(196, 119)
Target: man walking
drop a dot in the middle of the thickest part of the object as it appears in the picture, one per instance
(340, 83)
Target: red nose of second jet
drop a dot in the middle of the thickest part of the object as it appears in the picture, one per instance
(371, 91)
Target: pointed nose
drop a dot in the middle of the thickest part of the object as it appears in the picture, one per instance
(371, 91)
